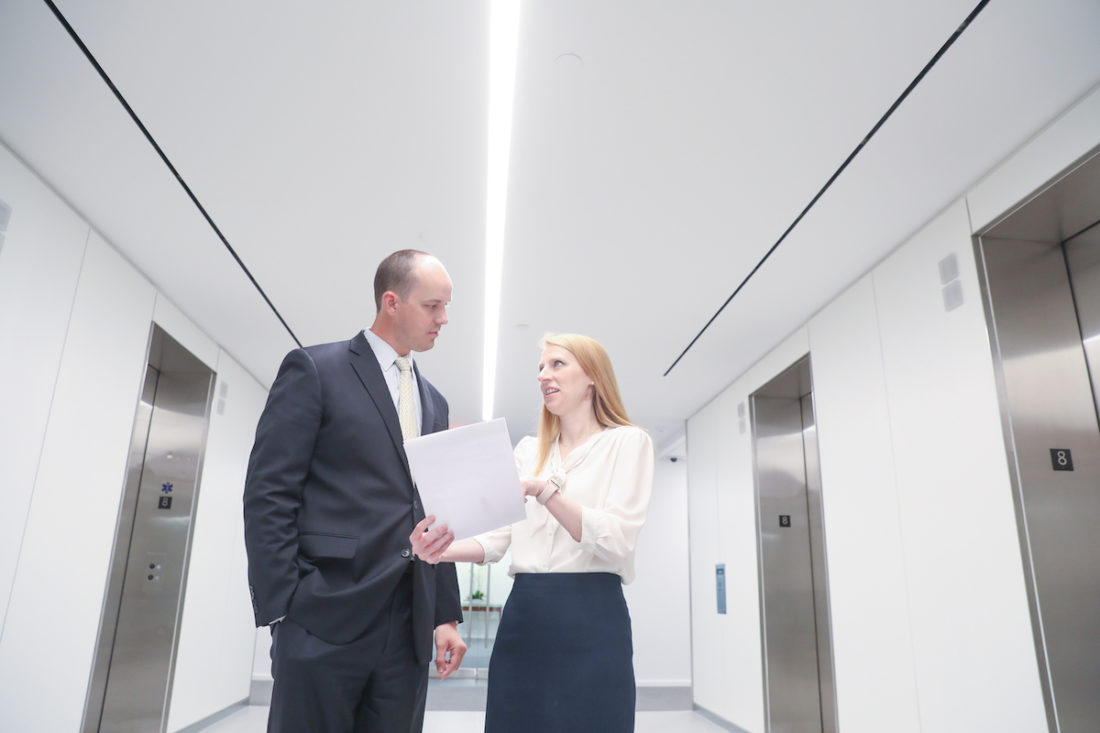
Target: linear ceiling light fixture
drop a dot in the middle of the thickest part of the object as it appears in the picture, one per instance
(503, 35)
(867, 138)
(168, 164)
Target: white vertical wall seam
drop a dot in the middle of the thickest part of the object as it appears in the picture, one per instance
(899, 500)
(691, 588)
(217, 378)
(42, 442)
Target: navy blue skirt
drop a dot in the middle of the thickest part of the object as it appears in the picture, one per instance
(563, 657)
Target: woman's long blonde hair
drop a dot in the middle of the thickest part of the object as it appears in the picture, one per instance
(607, 404)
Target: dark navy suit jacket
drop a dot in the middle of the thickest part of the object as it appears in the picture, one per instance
(329, 502)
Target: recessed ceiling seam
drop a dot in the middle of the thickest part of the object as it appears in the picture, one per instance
(1078, 234)
(164, 158)
(851, 156)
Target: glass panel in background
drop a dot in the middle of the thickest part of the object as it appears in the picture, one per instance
(484, 590)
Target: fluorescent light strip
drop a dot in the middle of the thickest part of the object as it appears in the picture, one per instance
(503, 38)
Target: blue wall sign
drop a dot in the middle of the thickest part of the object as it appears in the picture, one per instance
(720, 582)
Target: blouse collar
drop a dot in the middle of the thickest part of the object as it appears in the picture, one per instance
(576, 455)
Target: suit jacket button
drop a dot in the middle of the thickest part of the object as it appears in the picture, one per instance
(406, 553)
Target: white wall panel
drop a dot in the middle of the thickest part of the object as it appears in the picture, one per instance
(727, 664)
(742, 686)
(217, 637)
(659, 597)
(872, 643)
(261, 661)
(709, 648)
(1059, 144)
(39, 266)
(56, 601)
(974, 655)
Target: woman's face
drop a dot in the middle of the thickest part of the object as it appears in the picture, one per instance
(564, 385)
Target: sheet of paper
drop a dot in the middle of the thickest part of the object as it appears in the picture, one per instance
(467, 477)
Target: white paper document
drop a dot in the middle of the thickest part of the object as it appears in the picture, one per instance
(467, 477)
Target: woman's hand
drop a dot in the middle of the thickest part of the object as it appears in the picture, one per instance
(563, 509)
(533, 487)
(429, 545)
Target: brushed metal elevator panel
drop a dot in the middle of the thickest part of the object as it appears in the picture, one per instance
(1083, 263)
(826, 683)
(798, 666)
(131, 681)
(1044, 311)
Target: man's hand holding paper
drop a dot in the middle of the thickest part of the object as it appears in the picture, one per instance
(429, 545)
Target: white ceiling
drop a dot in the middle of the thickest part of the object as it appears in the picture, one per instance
(659, 150)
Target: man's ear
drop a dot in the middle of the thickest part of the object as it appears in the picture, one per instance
(389, 301)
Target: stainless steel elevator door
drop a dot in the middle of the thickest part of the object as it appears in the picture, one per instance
(796, 637)
(826, 683)
(1083, 264)
(131, 681)
(1041, 272)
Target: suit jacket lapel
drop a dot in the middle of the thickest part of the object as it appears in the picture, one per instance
(365, 364)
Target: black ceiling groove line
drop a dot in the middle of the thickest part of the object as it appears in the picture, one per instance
(1078, 234)
(164, 158)
(912, 85)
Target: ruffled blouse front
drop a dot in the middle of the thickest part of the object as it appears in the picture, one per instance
(611, 477)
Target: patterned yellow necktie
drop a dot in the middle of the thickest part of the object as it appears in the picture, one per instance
(406, 404)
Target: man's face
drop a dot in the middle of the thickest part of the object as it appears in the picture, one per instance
(418, 319)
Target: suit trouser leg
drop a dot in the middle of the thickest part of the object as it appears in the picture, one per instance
(393, 701)
(370, 685)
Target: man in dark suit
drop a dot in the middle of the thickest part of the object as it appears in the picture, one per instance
(329, 505)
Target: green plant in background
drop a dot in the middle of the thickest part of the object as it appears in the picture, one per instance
(478, 581)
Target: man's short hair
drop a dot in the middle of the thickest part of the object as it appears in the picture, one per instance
(396, 273)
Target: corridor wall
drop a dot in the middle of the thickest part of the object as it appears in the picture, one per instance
(930, 621)
(74, 320)
(660, 596)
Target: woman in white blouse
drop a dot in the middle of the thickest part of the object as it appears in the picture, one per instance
(562, 660)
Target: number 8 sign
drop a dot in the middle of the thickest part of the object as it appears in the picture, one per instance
(1061, 459)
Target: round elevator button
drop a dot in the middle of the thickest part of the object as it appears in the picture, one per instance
(406, 553)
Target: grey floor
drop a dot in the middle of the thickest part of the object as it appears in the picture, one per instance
(478, 652)
(253, 719)
(458, 706)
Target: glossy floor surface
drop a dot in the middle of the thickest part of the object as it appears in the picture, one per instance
(253, 719)
(458, 706)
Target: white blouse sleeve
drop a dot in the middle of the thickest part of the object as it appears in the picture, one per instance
(610, 532)
(495, 543)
